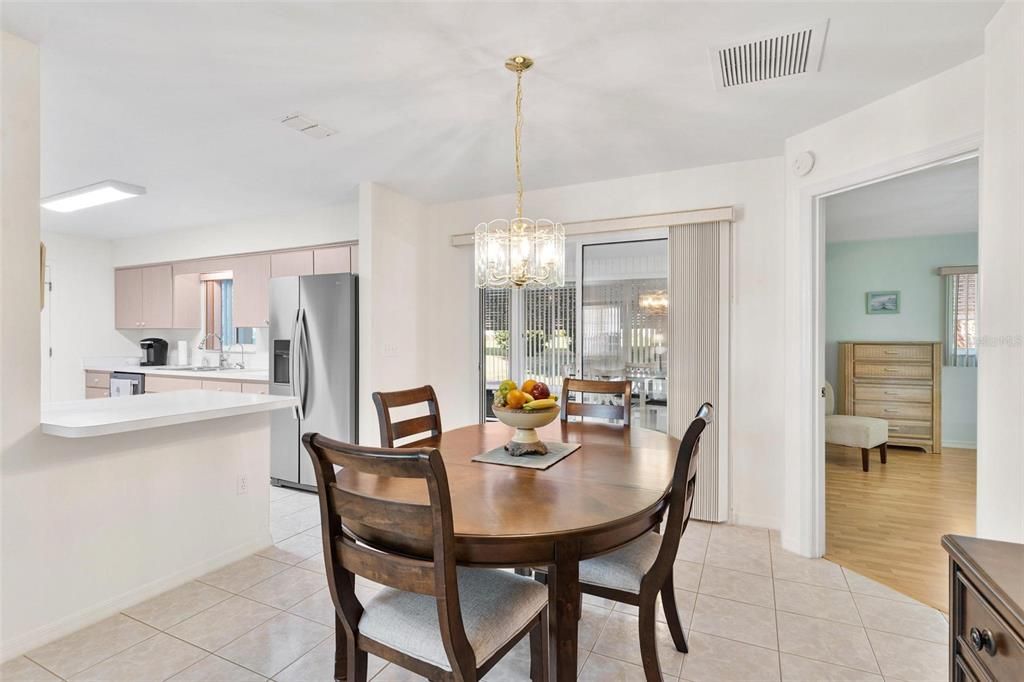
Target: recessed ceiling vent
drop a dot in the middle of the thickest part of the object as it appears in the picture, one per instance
(307, 126)
(794, 53)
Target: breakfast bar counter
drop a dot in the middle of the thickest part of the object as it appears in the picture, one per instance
(107, 416)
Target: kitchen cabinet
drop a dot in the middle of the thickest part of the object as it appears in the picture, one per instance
(127, 298)
(221, 385)
(332, 260)
(251, 291)
(160, 384)
(143, 297)
(259, 389)
(289, 263)
(97, 380)
(354, 257)
(187, 307)
(91, 393)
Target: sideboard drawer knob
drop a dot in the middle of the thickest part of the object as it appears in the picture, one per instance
(982, 640)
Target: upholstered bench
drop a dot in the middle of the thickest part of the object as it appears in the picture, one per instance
(855, 432)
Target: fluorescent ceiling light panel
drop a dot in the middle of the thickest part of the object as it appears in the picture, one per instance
(91, 195)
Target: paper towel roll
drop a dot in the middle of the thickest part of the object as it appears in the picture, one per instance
(182, 353)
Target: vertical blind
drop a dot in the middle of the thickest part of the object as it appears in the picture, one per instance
(698, 365)
(960, 348)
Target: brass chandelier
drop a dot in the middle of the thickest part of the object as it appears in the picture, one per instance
(519, 252)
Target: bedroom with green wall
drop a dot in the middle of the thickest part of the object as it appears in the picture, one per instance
(907, 265)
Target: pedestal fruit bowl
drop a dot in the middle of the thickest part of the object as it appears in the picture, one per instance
(526, 422)
(527, 408)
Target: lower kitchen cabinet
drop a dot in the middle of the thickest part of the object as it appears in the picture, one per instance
(91, 393)
(225, 386)
(259, 389)
(159, 384)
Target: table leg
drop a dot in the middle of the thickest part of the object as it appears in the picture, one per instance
(563, 600)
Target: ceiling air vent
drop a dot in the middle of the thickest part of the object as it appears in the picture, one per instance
(307, 126)
(793, 53)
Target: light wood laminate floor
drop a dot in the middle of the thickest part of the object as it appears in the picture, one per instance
(887, 523)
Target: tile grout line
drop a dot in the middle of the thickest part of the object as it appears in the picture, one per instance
(775, 603)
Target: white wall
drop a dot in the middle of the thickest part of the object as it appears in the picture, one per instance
(943, 110)
(1001, 283)
(81, 311)
(449, 336)
(391, 316)
(335, 223)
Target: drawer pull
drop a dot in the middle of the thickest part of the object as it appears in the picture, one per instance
(890, 409)
(892, 352)
(890, 369)
(892, 392)
(982, 640)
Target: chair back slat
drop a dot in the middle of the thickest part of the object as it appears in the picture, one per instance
(595, 410)
(401, 573)
(390, 431)
(680, 497)
(399, 518)
(416, 425)
(594, 387)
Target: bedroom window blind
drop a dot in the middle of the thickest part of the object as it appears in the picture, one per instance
(960, 348)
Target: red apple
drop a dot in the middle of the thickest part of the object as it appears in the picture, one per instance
(540, 391)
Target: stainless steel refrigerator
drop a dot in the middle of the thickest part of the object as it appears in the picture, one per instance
(313, 356)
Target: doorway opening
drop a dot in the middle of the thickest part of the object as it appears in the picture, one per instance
(899, 333)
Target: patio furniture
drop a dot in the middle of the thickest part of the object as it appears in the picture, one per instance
(439, 621)
(394, 431)
(855, 432)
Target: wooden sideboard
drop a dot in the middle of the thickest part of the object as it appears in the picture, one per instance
(897, 381)
(986, 609)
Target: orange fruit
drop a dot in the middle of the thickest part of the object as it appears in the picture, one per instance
(515, 399)
(528, 385)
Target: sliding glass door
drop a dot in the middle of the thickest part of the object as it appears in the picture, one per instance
(608, 322)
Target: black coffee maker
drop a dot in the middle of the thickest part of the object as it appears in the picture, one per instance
(154, 352)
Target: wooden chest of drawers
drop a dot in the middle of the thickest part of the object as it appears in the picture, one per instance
(896, 381)
(986, 618)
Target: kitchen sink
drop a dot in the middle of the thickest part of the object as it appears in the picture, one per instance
(201, 369)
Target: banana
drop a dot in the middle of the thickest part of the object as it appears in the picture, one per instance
(544, 404)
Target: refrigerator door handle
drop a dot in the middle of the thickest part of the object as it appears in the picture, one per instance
(292, 361)
(303, 358)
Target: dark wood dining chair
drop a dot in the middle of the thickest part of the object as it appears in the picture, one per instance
(439, 621)
(637, 572)
(393, 431)
(594, 387)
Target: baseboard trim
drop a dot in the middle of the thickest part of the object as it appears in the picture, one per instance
(962, 444)
(65, 626)
(754, 520)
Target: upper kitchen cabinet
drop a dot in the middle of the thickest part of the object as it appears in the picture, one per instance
(187, 295)
(331, 260)
(143, 297)
(289, 263)
(251, 291)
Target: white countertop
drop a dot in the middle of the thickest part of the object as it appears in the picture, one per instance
(261, 375)
(106, 416)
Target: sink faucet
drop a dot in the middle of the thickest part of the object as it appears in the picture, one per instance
(222, 358)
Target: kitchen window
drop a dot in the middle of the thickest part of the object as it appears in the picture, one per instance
(218, 327)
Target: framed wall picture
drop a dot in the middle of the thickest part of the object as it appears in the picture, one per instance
(882, 302)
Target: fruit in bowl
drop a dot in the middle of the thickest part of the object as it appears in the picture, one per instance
(520, 407)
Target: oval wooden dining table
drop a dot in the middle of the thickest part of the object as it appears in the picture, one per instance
(608, 492)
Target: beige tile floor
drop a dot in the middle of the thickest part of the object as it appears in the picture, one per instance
(751, 610)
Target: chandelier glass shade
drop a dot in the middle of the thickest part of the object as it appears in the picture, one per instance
(519, 252)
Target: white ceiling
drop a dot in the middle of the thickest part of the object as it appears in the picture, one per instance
(942, 199)
(184, 98)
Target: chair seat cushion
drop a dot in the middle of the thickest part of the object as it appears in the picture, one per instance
(855, 432)
(624, 568)
(495, 606)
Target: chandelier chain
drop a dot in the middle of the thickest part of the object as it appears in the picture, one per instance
(517, 138)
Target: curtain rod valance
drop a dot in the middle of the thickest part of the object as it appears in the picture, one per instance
(958, 270)
(640, 222)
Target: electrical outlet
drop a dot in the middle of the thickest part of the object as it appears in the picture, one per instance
(243, 485)
(390, 350)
